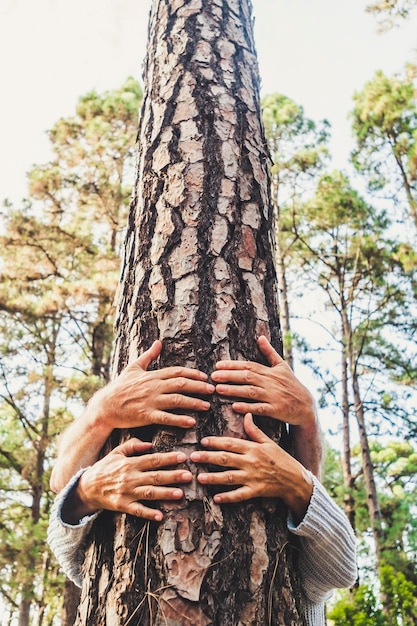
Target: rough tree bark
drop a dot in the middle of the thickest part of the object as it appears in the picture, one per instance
(199, 274)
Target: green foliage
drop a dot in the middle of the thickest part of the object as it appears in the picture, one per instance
(299, 150)
(60, 261)
(385, 129)
(401, 596)
(362, 610)
(390, 12)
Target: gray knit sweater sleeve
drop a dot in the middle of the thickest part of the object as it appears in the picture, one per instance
(328, 547)
(67, 541)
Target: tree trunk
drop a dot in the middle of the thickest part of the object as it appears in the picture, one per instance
(70, 605)
(199, 274)
(372, 499)
(24, 607)
(348, 480)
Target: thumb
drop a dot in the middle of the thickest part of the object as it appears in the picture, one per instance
(253, 432)
(149, 355)
(269, 352)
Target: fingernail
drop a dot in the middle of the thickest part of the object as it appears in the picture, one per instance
(202, 477)
(204, 441)
(177, 493)
(190, 421)
(195, 456)
(217, 498)
(158, 517)
(181, 457)
(186, 476)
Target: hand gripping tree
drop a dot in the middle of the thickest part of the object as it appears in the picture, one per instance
(199, 274)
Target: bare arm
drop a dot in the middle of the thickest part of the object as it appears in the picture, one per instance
(276, 392)
(135, 398)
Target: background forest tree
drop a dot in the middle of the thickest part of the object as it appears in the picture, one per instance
(349, 275)
(60, 265)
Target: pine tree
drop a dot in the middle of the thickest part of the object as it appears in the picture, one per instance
(198, 273)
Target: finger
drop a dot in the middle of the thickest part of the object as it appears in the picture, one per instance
(253, 432)
(149, 355)
(140, 510)
(244, 375)
(163, 477)
(234, 445)
(177, 371)
(256, 408)
(229, 477)
(243, 492)
(221, 458)
(184, 385)
(164, 418)
(231, 365)
(251, 392)
(268, 351)
(158, 460)
(253, 374)
(132, 447)
(235, 495)
(177, 401)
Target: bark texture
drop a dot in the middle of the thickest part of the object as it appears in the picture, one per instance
(199, 274)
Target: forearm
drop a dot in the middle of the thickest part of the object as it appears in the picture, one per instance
(308, 445)
(299, 495)
(80, 444)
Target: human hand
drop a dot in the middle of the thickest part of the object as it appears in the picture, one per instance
(270, 391)
(258, 468)
(139, 398)
(122, 480)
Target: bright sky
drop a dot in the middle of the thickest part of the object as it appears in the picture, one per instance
(316, 52)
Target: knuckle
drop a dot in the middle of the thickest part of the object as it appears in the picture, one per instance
(181, 383)
(176, 401)
(224, 459)
(229, 478)
(157, 478)
(156, 459)
(248, 377)
(138, 510)
(148, 493)
(163, 419)
(252, 392)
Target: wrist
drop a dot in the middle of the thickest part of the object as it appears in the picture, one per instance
(309, 419)
(76, 505)
(97, 417)
(299, 498)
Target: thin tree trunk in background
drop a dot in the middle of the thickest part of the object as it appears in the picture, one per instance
(372, 500)
(199, 274)
(284, 304)
(70, 605)
(349, 502)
